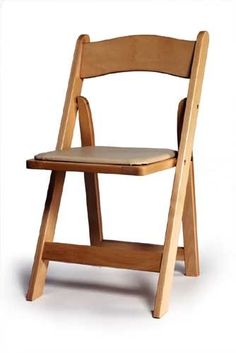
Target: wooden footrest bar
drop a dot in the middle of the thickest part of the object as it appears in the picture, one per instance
(135, 256)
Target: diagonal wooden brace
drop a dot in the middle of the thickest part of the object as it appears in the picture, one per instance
(181, 177)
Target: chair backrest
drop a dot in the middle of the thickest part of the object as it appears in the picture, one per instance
(172, 56)
(138, 53)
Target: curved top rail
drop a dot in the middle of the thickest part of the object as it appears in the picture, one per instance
(138, 53)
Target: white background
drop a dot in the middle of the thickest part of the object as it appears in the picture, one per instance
(91, 309)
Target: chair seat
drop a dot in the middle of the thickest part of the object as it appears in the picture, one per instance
(109, 155)
(111, 160)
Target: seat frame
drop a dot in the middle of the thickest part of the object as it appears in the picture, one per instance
(111, 253)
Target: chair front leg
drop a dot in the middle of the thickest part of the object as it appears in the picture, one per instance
(47, 230)
(171, 240)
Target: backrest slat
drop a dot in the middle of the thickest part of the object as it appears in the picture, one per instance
(138, 53)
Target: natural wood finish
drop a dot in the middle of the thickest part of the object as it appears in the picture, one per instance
(86, 122)
(103, 256)
(46, 234)
(39, 270)
(141, 246)
(90, 179)
(93, 207)
(189, 218)
(140, 52)
(191, 254)
(102, 168)
(181, 177)
(141, 257)
(73, 91)
(180, 118)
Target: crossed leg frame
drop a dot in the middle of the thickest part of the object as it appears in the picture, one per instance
(168, 253)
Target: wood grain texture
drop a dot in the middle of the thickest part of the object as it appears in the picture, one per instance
(181, 177)
(73, 91)
(139, 53)
(90, 179)
(85, 122)
(189, 218)
(102, 168)
(141, 246)
(191, 253)
(141, 257)
(46, 234)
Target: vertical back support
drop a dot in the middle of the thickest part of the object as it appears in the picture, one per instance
(73, 91)
(181, 177)
(91, 179)
(48, 224)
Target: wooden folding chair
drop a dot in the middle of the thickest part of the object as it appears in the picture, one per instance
(176, 57)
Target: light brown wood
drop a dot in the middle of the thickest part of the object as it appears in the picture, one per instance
(180, 118)
(90, 179)
(86, 122)
(73, 91)
(191, 254)
(189, 218)
(140, 52)
(141, 246)
(102, 168)
(46, 233)
(141, 257)
(93, 207)
(181, 177)
(103, 256)
(48, 224)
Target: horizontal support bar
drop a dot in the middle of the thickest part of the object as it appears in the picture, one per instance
(141, 246)
(135, 256)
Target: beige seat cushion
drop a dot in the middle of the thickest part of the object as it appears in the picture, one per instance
(109, 155)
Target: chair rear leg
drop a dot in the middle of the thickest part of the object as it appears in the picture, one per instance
(47, 230)
(93, 208)
(90, 179)
(190, 228)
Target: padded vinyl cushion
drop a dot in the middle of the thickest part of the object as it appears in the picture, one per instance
(109, 155)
